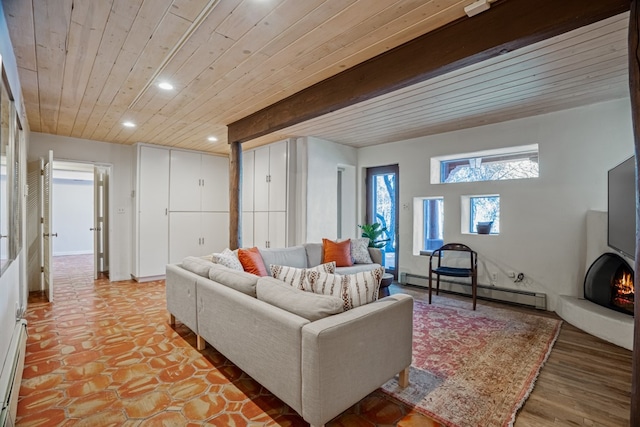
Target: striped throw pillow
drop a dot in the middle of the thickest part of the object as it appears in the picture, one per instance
(355, 289)
(297, 277)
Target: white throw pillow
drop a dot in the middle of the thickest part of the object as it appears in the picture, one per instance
(360, 251)
(355, 289)
(296, 277)
(228, 258)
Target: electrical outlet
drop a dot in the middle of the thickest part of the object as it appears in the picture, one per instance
(121, 210)
(494, 278)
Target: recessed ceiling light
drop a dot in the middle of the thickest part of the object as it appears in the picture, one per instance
(165, 86)
(129, 124)
(212, 139)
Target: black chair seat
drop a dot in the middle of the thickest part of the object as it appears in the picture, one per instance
(453, 271)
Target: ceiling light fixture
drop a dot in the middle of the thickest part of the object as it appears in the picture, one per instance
(174, 50)
(212, 139)
(477, 7)
(165, 85)
(129, 124)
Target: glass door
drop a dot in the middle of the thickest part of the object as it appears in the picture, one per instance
(382, 207)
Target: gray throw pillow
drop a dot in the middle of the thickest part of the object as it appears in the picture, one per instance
(360, 251)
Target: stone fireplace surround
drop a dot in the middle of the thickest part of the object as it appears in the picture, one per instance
(601, 322)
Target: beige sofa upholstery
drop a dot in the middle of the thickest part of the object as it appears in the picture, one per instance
(319, 368)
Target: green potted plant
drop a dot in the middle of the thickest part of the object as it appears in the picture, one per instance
(375, 233)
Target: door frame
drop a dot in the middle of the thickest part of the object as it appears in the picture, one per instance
(370, 215)
(109, 197)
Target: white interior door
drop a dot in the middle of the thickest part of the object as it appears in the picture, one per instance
(34, 225)
(47, 221)
(100, 225)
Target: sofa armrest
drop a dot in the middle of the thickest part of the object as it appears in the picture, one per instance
(347, 356)
(376, 255)
(180, 288)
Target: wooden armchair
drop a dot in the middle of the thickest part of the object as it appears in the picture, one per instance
(443, 270)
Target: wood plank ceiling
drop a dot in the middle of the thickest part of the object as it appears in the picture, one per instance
(86, 66)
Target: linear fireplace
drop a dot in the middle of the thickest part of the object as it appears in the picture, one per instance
(609, 283)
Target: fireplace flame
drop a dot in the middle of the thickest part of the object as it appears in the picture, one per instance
(624, 285)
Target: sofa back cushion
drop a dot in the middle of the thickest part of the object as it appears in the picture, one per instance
(304, 304)
(314, 254)
(197, 265)
(239, 280)
(294, 256)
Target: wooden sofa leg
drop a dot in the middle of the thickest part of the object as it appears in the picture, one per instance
(200, 343)
(403, 380)
(172, 319)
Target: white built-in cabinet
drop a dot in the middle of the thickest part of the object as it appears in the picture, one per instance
(266, 189)
(199, 182)
(191, 191)
(199, 205)
(151, 212)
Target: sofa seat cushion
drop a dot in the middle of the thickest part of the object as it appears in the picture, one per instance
(304, 304)
(297, 276)
(294, 256)
(355, 289)
(356, 268)
(241, 281)
(197, 265)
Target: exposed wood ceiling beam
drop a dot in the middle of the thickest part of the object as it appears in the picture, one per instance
(507, 26)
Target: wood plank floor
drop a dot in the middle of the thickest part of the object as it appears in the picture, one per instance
(585, 382)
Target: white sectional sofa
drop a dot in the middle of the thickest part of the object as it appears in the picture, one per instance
(318, 364)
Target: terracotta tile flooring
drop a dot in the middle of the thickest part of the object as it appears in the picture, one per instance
(103, 354)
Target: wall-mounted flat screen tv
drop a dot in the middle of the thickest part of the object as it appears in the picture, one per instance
(621, 233)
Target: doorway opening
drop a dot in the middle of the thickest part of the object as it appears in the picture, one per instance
(80, 215)
(69, 217)
(382, 207)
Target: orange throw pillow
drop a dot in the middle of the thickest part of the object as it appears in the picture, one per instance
(252, 262)
(340, 252)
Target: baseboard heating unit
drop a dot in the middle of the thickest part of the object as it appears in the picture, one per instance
(492, 293)
(11, 375)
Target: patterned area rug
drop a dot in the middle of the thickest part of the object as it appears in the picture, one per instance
(473, 368)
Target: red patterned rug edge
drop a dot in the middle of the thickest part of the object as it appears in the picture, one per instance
(518, 405)
(534, 375)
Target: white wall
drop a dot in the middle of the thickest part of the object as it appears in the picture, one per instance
(72, 216)
(543, 220)
(323, 160)
(13, 286)
(120, 156)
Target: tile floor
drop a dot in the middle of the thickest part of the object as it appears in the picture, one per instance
(103, 354)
